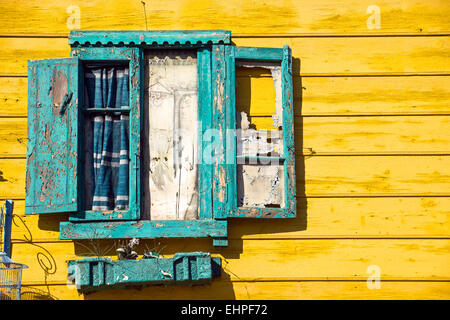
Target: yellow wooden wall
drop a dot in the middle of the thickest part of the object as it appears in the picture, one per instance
(372, 142)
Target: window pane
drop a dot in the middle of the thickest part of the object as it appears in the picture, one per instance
(260, 185)
(260, 172)
(170, 166)
(106, 139)
(258, 109)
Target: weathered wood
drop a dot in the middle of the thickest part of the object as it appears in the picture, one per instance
(335, 42)
(362, 55)
(369, 175)
(276, 259)
(340, 55)
(185, 268)
(221, 193)
(264, 290)
(149, 38)
(320, 218)
(338, 135)
(313, 96)
(132, 57)
(252, 53)
(287, 101)
(272, 17)
(357, 176)
(52, 134)
(143, 229)
(205, 177)
(322, 96)
(276, 185)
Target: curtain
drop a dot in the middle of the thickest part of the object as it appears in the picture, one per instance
(108, 87)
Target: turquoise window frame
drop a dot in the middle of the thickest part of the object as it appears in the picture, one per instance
(216, 56)
(284, 57)
(133, 59)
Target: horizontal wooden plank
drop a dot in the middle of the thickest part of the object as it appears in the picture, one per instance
(144, 228)
(13, 136)
(317, 55)
(350, 95)
(316, 218)
(17, 51)
(313, 96)
(373, 134)
(228, 290)
(352, 175)
(398, 259)
(374, 95)
(265, 54)
(268, 16)
(377, 174)
(339, 135)
(353, 217)
(13, 96)
(363, 55)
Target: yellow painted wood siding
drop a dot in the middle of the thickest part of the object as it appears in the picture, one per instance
(372, 132)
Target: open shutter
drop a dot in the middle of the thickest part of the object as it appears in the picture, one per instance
(262, 170)
(52, 146)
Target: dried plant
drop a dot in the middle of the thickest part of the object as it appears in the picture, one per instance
(154, 251)
(94, 249)
(127, 252)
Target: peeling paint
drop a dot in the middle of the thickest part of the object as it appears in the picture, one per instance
(47, 177)
(50, 184)
(58, 90)
(222, 184)
(260, 186)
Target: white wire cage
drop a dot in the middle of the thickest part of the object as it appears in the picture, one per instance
(10, 278)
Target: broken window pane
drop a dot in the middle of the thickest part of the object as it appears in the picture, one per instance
(170, 166)
(259, 109)
(259, 147)
(260, 185)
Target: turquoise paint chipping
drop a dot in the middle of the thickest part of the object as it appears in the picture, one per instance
(184, 268)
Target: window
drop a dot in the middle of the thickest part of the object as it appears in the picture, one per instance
(145, 134)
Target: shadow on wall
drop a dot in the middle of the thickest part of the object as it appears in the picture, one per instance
(30, 293)
(44, 257)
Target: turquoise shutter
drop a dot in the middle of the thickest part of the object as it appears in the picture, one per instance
(52, 146)
(283, 59)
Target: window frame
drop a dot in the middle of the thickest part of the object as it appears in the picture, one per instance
(216, 97)
(111, 56)
(284, 57)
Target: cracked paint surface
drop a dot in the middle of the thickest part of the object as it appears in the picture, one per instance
(51, 174)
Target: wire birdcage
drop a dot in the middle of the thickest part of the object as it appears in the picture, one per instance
(10, 278)
(10, 271)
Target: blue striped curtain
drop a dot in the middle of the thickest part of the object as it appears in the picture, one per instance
(108, 87)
